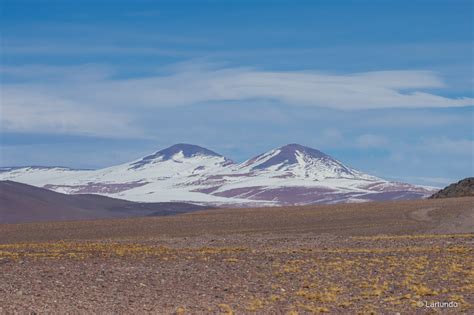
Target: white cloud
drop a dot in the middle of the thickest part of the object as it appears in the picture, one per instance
(42, 73)
(332, 135)
(371, 141)
(89, 99)
(444, 145)
(88, 48)
(46, 113)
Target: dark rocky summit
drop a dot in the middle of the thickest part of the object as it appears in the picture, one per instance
(463, 188)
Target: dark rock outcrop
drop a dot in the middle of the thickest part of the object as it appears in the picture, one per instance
(463, 188)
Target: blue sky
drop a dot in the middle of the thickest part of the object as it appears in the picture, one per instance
(384, 86)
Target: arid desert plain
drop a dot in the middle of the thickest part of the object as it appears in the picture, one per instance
(382, 257)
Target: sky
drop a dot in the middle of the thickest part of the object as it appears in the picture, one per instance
(386, 87)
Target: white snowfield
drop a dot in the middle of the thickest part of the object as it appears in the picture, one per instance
(290, 175)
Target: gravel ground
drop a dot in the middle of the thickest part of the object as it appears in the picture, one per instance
(260, 269)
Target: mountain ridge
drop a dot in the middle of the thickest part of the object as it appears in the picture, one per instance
(25, 203)
(288, 175)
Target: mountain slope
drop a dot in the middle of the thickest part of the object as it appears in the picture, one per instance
(298, 175)
(297, 161)
(300, 161)
(25, 203)
(180, 151)
(463, 188)
(290, 175)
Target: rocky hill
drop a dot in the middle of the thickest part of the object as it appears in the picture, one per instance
(463, 188)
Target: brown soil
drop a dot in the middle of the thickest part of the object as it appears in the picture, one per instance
(378, 257)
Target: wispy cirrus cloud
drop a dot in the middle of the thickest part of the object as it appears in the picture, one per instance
(371, 141)
(97, 49)
(37, 112)
(443, 145)
(74, 94)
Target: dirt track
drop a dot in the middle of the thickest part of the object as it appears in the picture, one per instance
(378, 257)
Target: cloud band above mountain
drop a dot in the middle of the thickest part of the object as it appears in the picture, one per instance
(66, 96)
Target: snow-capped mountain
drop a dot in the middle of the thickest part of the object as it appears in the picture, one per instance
(183, 153)
(294, 160)
(292, 174)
